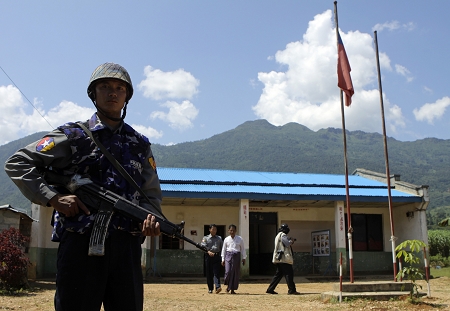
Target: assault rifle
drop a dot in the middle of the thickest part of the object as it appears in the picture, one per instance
(106, 203)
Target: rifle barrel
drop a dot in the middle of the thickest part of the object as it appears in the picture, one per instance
(98, 198)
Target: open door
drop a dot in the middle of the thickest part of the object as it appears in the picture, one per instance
(263, 229)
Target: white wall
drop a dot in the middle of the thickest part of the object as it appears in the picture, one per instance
(196, 217)
(41, 230)
(410, 228)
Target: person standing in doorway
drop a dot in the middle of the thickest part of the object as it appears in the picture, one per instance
(232, 251)
(213, 244)
(283, 259)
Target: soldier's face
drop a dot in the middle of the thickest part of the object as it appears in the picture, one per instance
(110, 96)
(213, 231)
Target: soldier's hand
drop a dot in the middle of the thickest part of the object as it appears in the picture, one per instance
(68, 204)
(150, 226)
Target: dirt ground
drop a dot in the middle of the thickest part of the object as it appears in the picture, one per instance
(192, 294)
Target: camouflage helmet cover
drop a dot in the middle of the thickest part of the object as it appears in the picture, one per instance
(110, 71)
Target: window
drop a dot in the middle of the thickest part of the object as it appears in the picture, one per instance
(169, 242)
(367, 232)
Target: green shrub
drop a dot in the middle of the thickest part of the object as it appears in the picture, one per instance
(439, 242)
(409, 251)
(438, 260)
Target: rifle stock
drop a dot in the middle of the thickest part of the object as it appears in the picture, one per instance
(98, 198)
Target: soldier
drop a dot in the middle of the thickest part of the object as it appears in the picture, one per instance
(115, 279)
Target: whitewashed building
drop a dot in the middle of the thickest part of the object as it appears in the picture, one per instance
(313, 205)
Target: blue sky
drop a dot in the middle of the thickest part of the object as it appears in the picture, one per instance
(200, 68)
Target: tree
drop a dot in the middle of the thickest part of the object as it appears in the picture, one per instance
(408, 250)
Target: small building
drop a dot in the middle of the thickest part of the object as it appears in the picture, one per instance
(11, 217)
(313, 205)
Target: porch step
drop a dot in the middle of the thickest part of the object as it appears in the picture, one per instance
(383, 290)
(384, 296)
(381, 286)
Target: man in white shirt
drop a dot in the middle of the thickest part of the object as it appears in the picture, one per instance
(232, 251)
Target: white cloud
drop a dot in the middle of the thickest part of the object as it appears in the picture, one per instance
(165, 85)
(409, 26)
(387, 25)
(12, 112)
(180, 116)
(431, 111)
(307, 91)
(16, 123)
(148, 131)
(404, 72)
(393, 25)
(64, 112)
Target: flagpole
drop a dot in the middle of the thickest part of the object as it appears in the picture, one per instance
(347, 194)
(388, 175)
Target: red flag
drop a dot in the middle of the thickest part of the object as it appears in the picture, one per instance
(343, 71)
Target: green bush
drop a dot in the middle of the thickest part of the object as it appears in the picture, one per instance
(438, 260)
(439, 242)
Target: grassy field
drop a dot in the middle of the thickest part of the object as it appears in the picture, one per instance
(445, 271)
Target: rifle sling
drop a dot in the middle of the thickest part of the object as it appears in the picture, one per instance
(119, 167)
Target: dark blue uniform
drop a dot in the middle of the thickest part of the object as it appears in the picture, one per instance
(85, 282)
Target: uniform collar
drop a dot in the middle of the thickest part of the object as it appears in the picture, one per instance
(96, 124)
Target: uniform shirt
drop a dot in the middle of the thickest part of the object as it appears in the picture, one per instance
(56, 151)
(234, 245)
(212, 243)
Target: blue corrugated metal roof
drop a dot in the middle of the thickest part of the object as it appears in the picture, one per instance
(253, 177)
(188, 182)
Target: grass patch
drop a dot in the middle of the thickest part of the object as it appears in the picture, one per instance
(445, 271)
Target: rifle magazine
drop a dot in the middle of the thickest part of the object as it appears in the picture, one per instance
(98, 234)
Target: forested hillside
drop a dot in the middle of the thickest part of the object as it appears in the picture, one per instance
(9, 193)
(260, 146)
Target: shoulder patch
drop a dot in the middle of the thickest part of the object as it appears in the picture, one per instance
(45, 144)
(152, 162)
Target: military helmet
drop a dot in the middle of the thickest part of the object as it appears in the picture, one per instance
(284, 228)
(110, 71)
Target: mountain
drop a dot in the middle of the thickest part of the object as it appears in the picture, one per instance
(261, 146)
(9, 193)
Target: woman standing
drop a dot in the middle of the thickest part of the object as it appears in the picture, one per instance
(232, 250)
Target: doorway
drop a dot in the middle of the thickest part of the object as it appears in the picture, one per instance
(262, 232)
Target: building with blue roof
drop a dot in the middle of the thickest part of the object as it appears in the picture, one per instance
(258, 202)
(313, 205)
